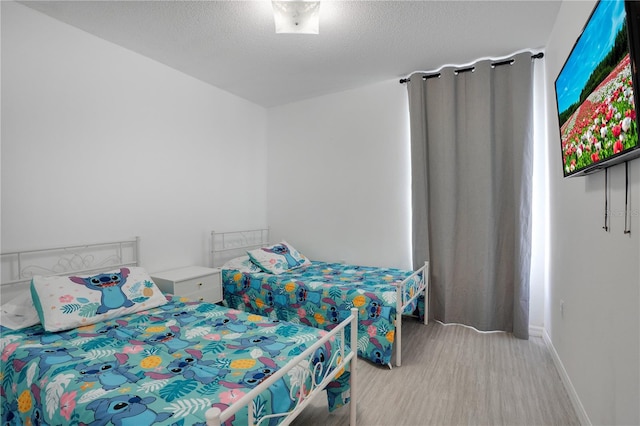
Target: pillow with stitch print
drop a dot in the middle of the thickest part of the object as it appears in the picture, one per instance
(278, 258)
(66, 302)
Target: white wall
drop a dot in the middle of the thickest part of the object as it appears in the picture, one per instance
(595, 272)
(338, 176)
(100, 143)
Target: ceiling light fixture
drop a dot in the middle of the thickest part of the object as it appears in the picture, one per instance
(296, 17)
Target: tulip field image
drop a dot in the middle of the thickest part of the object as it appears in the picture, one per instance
(595, 96)
(604, 124)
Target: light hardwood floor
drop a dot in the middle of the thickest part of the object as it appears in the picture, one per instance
(453, 375)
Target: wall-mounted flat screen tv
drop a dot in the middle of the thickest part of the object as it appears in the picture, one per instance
(597, 91)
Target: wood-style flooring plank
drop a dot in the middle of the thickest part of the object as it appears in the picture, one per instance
(454, 375)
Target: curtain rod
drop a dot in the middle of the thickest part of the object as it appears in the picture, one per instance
(461, 70)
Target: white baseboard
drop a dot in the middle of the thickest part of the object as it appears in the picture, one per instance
(573, 395)
(535, 331)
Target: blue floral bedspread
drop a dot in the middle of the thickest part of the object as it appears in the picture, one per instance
(164, 366)
(322, 294)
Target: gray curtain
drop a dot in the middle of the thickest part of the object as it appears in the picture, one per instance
(472, 161)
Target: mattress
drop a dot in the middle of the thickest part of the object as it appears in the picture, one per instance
(163, 366)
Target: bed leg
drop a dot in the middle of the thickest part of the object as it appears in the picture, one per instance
(425, 277)
(398, 339)
(353, 368)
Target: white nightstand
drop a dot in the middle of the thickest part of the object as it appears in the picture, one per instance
(193, 282)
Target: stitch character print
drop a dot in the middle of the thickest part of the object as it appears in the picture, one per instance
(110, 287)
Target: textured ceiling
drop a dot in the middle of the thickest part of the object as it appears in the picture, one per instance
(232, 44)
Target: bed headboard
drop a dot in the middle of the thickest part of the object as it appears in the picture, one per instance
(18, 267)
(227, 245)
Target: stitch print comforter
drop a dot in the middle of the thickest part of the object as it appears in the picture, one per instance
(322, 294)
(165, 366)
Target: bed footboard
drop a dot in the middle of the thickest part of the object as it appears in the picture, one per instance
(319, 379)
(402, 301)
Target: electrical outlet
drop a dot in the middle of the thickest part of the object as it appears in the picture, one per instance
(562, 308)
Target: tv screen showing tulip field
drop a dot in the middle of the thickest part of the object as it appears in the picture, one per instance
(595, 93)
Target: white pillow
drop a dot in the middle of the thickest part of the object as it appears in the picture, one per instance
(65, 302)
(19, 312)
(242, 264)
(278, 258)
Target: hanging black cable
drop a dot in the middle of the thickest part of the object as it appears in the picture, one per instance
(493, 65)
(627, 229)
(606, 200)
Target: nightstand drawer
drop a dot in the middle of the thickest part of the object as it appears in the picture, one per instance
(202, 288)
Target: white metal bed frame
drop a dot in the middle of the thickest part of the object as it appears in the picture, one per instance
(339, 360)
(226, 245)
(18, 267)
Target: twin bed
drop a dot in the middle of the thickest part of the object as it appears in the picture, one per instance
(96, 342)
(277, 281)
